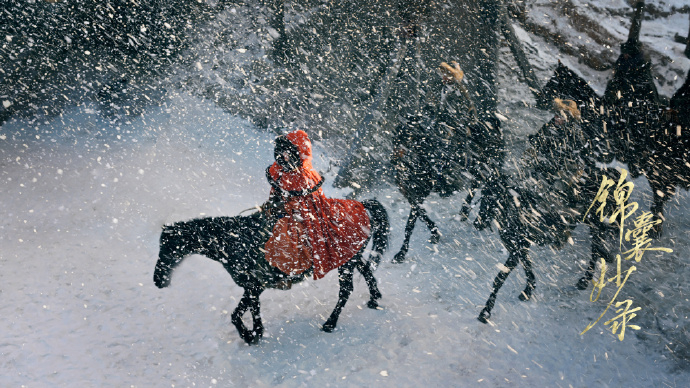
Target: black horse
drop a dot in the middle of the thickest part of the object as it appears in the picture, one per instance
(667, 165)
(237, 243)
(648, 144)
(633, 109)
(547, 204)
(423, 166)
(499, 205)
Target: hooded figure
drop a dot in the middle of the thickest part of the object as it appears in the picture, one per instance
(317, 233)
(554, 169)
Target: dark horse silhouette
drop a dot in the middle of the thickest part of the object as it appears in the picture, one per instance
(237, 243)
(666, 158)
(648, 144)
(566, 84)
(524, 214)
(654, 154)
(423, 166)
(630, 123)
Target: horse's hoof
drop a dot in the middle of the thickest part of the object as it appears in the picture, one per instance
(258, 334)
(250, 339)
(435, 236)
(464, 213)
(479, 224)
(582, 284)
(376, 295)
(372, 304)
(398, 258)
(255, 340)
(484, 316)
(525, 295)
(161, 281)
(327, 327)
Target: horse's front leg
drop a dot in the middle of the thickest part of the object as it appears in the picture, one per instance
(250, 301)
(526, 294)
(589, 272)
(345, 274)
(600, 234)
(510, 264)
(409, 226)
(435, 234)
(368, 273)
(466, 206)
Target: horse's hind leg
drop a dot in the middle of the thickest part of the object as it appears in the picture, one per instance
(236, 316)
(465, 210)
(598, 234)
(510, 264)
(526, 294)
(435, 234)
(658, 210)
(250, 301)
(409, 226)
(374, 293)
(255, 309)
(345, 274)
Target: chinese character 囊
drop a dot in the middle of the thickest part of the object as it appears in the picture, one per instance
(641, 241)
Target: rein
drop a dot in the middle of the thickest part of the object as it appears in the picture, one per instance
(256, 207)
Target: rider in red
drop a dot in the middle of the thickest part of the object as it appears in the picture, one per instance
(315, 231)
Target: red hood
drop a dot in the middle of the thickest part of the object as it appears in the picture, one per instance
(301, 140)
(303, 178)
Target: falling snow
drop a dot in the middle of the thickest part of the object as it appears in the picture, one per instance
(116, 138)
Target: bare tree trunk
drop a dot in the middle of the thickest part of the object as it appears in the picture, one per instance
(636, 24)
(519, 53)
(687, 42)
(276, 10)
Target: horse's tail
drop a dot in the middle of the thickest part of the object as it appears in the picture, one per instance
(380, 229)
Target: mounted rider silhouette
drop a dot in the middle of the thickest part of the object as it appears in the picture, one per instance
(434, 140)
(312, 232)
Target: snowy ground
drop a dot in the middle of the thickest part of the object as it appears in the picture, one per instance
(83, 200)
(83, 203)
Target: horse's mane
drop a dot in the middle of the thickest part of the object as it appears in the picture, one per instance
(212, 225)
(208, 234)
(197, 224)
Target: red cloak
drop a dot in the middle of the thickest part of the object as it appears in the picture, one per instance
(336, 229)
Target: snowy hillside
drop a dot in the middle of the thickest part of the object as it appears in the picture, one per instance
(85, 192)
(589, 35)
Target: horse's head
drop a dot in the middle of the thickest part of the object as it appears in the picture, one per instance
(168, 256)
(235, 242)
(567, 85)
(161, 276)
